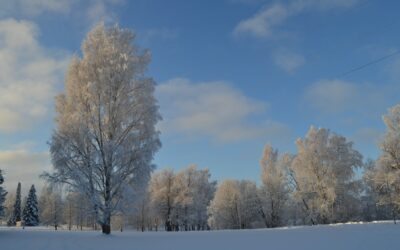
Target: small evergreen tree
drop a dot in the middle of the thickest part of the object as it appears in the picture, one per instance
(3, 194)
(16, 215)
(31, 212)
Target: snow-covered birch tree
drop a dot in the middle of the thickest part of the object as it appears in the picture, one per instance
(180, 200)
(372, 206)
(274, 190)
(76, 211)
(162, 196)
(143, 216)
(385, 176)
(235, 206)
(203, 192)
(194, 191)
(322, 173)
(105, 136)
(51, 207)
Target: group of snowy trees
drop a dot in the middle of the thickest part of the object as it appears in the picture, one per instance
(178, 201)
(235, 206)
(326, 181)
(170, 201)
(26, 213)
(54, 207)
(315, 186)
(59, 207)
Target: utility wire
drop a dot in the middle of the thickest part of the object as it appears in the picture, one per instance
(369, 64)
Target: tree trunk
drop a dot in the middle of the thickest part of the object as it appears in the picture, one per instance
(394, 215)
(70, 217)
(106, 229)
(168, 226)
(307, 209)
(168, 223)
(106, 225)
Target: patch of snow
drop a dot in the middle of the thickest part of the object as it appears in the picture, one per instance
(366, 236)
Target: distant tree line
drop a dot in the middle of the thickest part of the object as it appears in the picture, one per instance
(326, 181)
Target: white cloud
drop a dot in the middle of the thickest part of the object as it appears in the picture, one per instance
(28, 77)
(213, 109)
(93, 10)
(35, 7)
(100, 10)
(333, 96)
(22, 165)
(289, 61)
(264, 23)
(337, 96)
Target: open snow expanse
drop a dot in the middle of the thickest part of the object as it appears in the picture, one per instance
(347, 236)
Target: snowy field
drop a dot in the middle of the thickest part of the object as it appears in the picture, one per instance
(348, 236)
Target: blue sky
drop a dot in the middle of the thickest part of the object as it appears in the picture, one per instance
(232, 75)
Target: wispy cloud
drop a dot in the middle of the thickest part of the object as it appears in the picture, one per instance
(101, 10)
(263, 22)
(288, 61)
(29, 75)
(266, 21)
(330, 97)
(213, 109)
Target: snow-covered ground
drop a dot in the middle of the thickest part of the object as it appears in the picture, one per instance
(343, 236)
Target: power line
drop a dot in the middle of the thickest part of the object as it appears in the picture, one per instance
(396, 52)
(368, 64)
